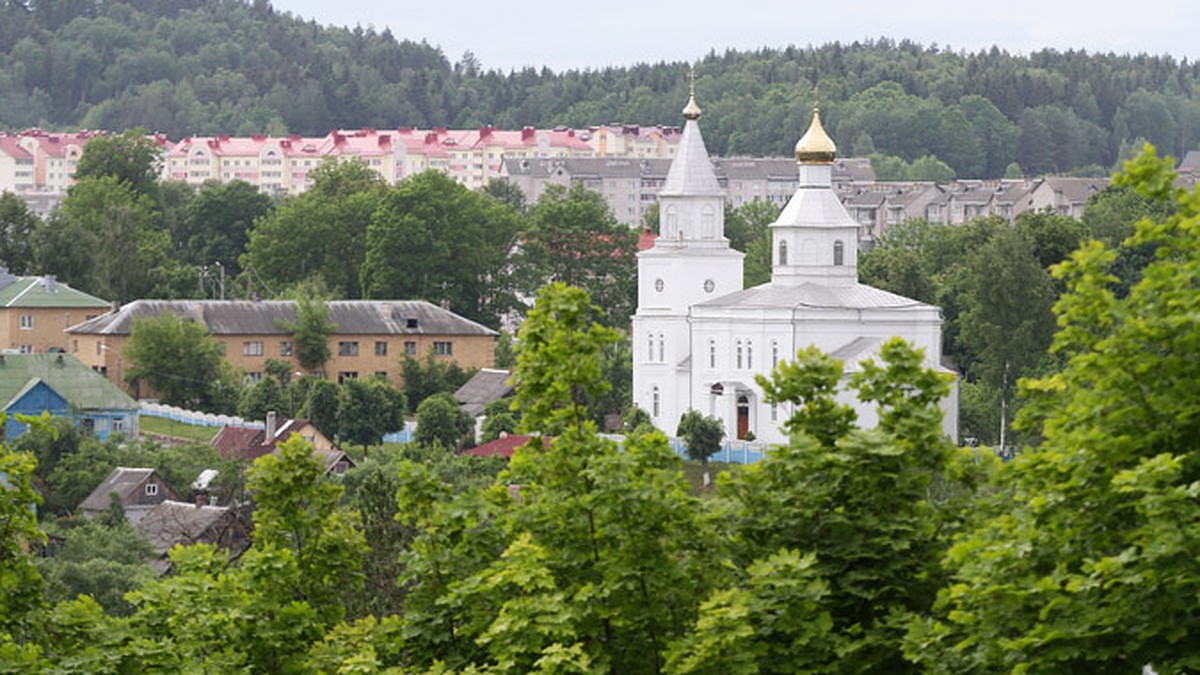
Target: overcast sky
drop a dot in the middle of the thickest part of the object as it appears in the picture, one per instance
(564, 35)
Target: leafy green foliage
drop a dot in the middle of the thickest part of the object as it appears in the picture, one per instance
(20, 584)
(99, 559)
(175, 357)
(432, 238)
(573, 239)
(423, 379)
(1085, 559)
(17, 225)
(371, 407)
(132, 158)
(441, 421)
(702, 434)
(312, 328)
(217, 223)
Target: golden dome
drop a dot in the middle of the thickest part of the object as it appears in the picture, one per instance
(692, 111)
(815, 146)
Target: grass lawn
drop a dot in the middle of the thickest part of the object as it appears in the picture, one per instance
(694, 473)
(161, 425)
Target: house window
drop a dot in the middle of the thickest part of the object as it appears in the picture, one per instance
(410, 349)
(839, 253)
(254, 348)
(285, 348)
(712, 353)
(380, 348)
(99, 348)
(656, 402)
(347, 349)
(152, 489)
(26, 322)
(25, 349)
(75, 346)
(347, 375)
(118, 426)
(253, 376)
(443, 348)
(783, 253)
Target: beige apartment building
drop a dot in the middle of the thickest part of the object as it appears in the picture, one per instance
(34, 312)
(371, 338)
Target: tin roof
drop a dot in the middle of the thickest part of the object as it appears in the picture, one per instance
(82, 387)
(43, 292)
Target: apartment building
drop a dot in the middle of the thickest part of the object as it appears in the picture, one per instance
(34, 312)
(371, 335)
(633, 141)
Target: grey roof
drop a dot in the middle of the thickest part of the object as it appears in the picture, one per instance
(484, 387)
(692, 171)
(853, 170)
(1190, 162)
(267, 317)
(817, 207)
(122, 480)
(1076, 190)
(818, 296)
(172, 523)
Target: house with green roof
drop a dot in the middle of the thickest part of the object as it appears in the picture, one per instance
(34, 312)
(60, 385)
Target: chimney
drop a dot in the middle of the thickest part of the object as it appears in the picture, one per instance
(270, 426)
(50, 283)
(200, 498)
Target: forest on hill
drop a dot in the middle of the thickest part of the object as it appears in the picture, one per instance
(196, 67)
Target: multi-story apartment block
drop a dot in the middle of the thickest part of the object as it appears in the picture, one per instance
(34, 312)
(631, 140)
(631, 186)
(371, 338)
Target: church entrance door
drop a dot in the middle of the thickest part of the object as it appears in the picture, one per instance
(743, 416)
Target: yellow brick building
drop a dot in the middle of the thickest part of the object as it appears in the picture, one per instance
(34, 312)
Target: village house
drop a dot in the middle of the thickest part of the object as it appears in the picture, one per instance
(137, 489)
(174, 523)
(245, 445)
(58, 384)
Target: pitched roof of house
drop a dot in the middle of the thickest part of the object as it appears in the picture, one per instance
(269, 317)
(505, 446)
(123, 481)
(171, 522)
(484, 387)
(81, 386)
(43, 292)
(1190, 162)
(248, 444)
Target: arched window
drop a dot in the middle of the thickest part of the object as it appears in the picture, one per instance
(650, 346)
(739, 354)
(839, 253)
(712, 353)
(655, 402)
(774, 353)
(774, 413)
(707, 229)
(662, 342)
(783, 253)
(749, 354)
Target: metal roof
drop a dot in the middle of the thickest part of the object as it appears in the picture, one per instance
(82, 387)
(122, 480)
(818, 296)
(173, 522)
(485, 386)
(269, 317)
(43, 292)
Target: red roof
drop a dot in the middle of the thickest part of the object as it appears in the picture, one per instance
(501, 447)
(646, 239)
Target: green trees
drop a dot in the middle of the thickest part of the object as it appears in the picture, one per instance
(703, 436)
(312, 329)
(440, 421)
(175, 357)
(17, 225)
(1085, 559)
(371, 407)
(20, 585)
(218, 221)
(573, 239)
(434, 239)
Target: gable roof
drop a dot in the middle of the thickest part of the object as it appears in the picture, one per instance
(248, 444)
(123, 480)
(43, 292)
(81, 386)
(172, 522)
(486, 386)
(505, 446)
(266, 317)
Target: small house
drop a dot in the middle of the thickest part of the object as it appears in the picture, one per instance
(62, 386)
(138, 489)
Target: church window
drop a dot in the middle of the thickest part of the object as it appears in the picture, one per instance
(839, 253)
(656, 401)
(774, 353)
(706, 223)
(774, 413)
(739, 354)
(659, 284)
(749, 355)
(662, 346)
(712, 353)
(783, 253)
(650, 347)
(709, 285)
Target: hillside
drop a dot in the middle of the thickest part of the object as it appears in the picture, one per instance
(226, 66)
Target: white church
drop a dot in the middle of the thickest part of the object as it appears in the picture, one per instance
(699, 337)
